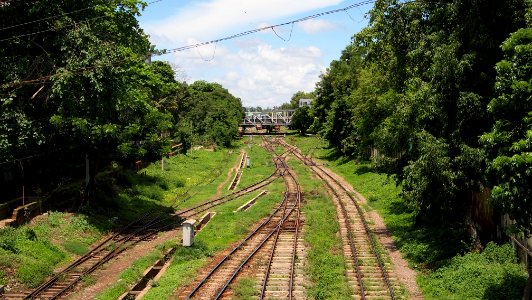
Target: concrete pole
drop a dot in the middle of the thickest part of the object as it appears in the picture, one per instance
(188, 232)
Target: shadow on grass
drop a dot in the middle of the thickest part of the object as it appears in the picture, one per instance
(122, 196)
(426, 247)
(511, 287)
(363, 169)
(430, 247)
(399, 208)
(335, 156)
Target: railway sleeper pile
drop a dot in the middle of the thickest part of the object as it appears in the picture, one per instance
(239, 172)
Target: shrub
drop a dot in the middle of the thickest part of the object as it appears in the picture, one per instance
(492, 274)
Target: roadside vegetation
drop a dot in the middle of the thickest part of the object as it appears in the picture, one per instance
(443, 255)
(29, 253)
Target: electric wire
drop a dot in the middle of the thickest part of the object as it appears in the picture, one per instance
(289, 37)
(241, 34)
(192, 46)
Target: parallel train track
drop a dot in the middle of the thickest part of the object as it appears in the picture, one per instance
(141, 229)
(366, 269)
(274, 241)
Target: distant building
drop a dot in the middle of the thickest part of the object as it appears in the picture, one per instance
(305, 102)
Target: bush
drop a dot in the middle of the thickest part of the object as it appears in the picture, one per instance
(32, 272)
(492, 274)
(8, 239)
(75, 247)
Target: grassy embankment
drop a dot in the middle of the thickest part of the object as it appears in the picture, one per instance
(447, 270)
(29, 253)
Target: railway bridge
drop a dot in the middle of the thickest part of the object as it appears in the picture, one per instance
(271, 121)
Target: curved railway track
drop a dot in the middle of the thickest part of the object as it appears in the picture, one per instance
(195, 210)
(270, 238)
(139, 230)
(366, 269)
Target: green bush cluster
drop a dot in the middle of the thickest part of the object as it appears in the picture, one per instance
(492, 274)
(32, 258)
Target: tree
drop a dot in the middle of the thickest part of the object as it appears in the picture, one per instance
(509, 143)
(214, 113)
(302, 119)
(92, 92)
(416, 80)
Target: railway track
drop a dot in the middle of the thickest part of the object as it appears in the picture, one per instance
(367, 272)
(59, 284)
(274, 241)
(195, 210)
(139, 230)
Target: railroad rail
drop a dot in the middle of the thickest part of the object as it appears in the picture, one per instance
(264, 239)
(138, 230)
(366, 264)
(189, 212)
(135, 232)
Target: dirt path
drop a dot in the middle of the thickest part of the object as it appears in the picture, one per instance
(228, 176)
(404, 273)
(110, 272)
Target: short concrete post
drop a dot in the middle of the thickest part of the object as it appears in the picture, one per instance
(188, 232)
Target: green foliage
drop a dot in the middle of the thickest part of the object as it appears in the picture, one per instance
(302, 119)
(214, 114)
(294, 101)
(415, 85)
(492, 274)
(439, 252)
(510, 141)
(75, 247)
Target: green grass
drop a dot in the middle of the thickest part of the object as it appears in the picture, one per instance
(492, 274)
(225, 228)
(440, 254)
(32, 251)
(245, 289)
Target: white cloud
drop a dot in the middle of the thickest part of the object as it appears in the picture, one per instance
(206, 20)
(314, 26)
(261, 75)
(250, 68)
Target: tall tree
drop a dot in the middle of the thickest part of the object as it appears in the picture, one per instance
(509, 144)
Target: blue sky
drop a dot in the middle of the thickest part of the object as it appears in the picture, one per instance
(261, 69)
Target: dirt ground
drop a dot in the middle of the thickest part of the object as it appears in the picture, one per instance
(110, 272)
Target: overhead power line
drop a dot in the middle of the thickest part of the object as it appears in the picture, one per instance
(44, 19)
(272, 27)
(43, 79)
